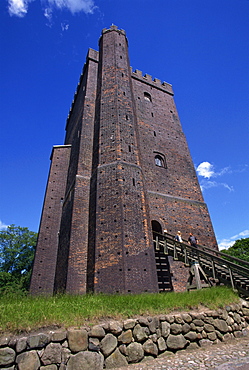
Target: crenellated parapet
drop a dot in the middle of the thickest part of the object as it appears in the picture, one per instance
(92, 55)
(138, 75)
(113, 28)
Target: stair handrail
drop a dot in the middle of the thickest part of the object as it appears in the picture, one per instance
(210, 251)
(205, 256)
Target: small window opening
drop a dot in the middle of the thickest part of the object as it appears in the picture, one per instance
(147, 96)
(159, 161)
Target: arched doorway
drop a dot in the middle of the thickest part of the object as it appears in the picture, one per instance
(156, 226)
(162, 261)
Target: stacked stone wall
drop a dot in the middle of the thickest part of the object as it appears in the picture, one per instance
(115, 344)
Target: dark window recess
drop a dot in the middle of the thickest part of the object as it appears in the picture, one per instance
(160, 160)
(147, 96)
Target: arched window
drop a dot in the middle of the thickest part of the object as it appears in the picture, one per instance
(147, 96)
(160, 160)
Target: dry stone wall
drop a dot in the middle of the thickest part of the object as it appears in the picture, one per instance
(118, 343)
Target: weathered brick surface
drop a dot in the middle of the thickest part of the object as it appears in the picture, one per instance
(43, 274)
(120, 124)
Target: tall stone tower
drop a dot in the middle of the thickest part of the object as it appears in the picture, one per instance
(124, 171)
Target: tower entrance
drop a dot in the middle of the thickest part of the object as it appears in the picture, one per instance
(162, 261)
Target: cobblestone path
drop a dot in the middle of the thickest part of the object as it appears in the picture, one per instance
(232, 355)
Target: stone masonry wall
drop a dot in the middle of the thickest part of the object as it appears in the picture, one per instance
(119, 343)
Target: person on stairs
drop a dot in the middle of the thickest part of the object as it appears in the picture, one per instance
(192, 240)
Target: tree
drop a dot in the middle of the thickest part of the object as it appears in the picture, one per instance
(240, 249)
(17, 246)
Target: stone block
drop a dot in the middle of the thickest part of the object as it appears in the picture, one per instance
(125, 337)
(191, 336)
(150, 348)
(52, 354)
(38, 340)
(115, 327)
(115, 360)
(58, 336)
(129, 324)
(175, 328)
(165, 329)
(77, 340)
(28, 360)
(21, 344)
(108, 344)
(135, 352)
(86, 361)
(176, 342)
(221, 325)
(140, 333)
(161, 344)
(97, 331)
(7, 356)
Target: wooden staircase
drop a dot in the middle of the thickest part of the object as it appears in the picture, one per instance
(215, 267)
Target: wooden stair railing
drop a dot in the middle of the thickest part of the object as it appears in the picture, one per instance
(218, 266)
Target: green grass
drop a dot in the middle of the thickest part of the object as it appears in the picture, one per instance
(20, 313)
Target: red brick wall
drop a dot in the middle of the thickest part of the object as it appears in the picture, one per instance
(113, 189)
(43, 274)
(71, 273)
(175, 198)
(124, 256)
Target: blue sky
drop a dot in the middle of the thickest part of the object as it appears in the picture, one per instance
(201, 47)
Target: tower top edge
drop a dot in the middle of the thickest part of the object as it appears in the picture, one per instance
(113, 28)
(156, 82)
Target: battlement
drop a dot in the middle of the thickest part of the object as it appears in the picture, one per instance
(92, 55)
(113, 28)
(138, 75)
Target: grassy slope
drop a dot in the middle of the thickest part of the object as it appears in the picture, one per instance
(24, 313)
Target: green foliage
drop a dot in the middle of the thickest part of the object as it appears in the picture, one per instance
(240, 249)
(17, 246)
(24, 312)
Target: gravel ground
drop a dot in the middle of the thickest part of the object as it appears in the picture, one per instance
(232, 355)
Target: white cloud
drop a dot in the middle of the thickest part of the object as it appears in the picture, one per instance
(3, 226)
(206, 184)
(206, 170)
(64, 26)
(227, 243)
(19, 8)
(48, 15)
(87, 6)
(242, 234)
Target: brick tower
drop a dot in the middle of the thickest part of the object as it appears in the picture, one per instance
(124, 171)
